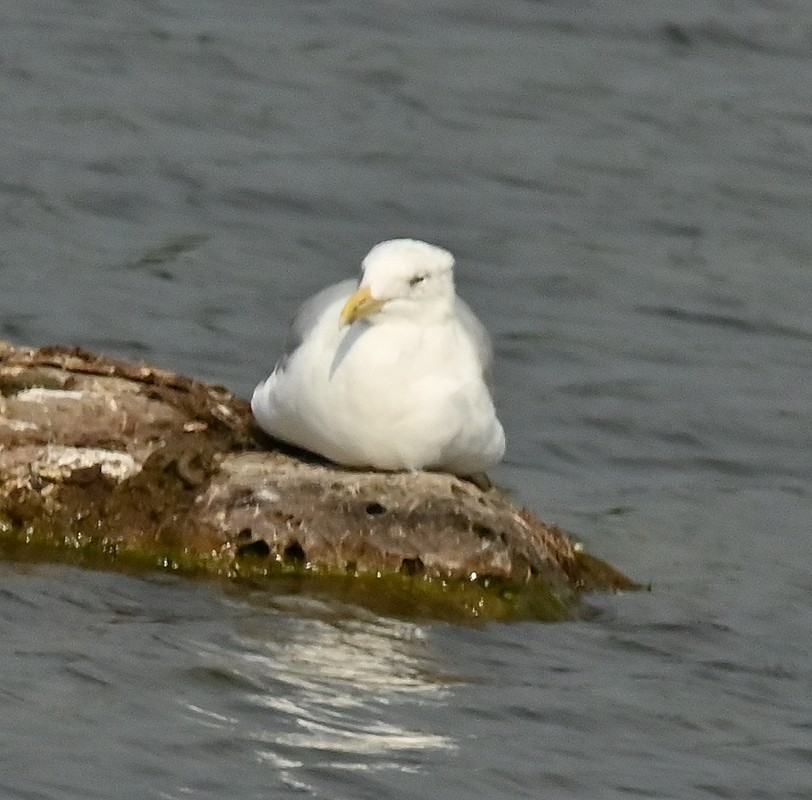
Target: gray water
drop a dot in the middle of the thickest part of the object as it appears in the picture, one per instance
(628, 190)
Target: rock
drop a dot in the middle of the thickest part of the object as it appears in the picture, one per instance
(104, 462)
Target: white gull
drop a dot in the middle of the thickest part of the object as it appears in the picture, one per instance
(388, 373)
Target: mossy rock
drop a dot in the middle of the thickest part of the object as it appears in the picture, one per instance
(112, 464)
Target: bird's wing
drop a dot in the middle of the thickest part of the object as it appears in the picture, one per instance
(308, 315)
(476, 330)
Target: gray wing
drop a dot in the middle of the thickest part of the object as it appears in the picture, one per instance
(480, 336)
(309, 313)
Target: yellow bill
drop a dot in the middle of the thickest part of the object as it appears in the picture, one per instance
(359, 305)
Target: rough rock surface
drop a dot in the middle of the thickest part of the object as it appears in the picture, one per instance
(139, 465)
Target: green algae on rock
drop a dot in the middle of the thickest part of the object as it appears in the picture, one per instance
(105, 462)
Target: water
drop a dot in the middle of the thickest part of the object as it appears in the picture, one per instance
(627, 189)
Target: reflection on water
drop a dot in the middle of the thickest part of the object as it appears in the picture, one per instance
(191, 694)
(330, 693)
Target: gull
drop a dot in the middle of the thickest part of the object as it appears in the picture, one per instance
(388, 373)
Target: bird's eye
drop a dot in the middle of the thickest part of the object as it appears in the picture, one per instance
(416, 279)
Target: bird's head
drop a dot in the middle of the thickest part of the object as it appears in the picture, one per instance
(403, 277)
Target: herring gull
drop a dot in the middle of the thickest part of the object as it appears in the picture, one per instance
(388, 373)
